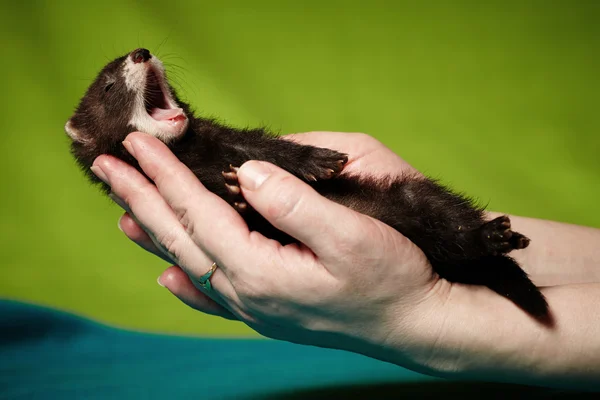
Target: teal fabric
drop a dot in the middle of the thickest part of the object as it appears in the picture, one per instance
(47, 354)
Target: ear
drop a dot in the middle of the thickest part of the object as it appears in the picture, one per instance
(74, 133)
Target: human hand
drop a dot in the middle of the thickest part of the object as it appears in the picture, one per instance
(366, 156)
(353, 283)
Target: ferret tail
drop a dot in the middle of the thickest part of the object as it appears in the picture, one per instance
(503, 275)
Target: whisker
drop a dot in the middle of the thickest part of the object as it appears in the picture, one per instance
(158, 48)
(175, 79)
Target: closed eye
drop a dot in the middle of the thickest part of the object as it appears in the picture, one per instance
(107, 88)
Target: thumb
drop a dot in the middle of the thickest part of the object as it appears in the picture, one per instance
(295, 208)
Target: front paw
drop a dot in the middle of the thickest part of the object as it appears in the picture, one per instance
(236, 199)
(322, 164)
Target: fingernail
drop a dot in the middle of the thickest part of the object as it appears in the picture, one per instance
(99, 173)
(129, 147)
(253, 174)
(159, 282)
(119, 224)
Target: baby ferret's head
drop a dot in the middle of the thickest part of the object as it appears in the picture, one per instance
(131, 93)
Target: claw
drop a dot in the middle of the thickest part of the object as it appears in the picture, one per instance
(521, 242)
(241, 207)
(232, 189)
(230, 175)
(505, 222)
(330, 172)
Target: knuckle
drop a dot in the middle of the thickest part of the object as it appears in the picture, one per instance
(183, 216)
(135, 196)
(171, 240)
(166, 172)
(128, 182)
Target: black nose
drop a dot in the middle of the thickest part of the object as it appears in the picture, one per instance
(140, 55)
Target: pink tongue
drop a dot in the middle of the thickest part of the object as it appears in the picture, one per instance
(164, 115)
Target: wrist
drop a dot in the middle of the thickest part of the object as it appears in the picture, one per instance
(485, 337)
(462, 332)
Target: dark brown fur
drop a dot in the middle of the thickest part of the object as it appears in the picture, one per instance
(448, 227)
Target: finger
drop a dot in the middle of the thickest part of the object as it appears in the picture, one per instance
(295, 208)
(144, 201)
(179, 283)
(339, 141)
(347, 143)
(132, 229)
(147, 239)
(366, 155)
(135, 233)
(155, 215)
(212, 223)
(153, 245)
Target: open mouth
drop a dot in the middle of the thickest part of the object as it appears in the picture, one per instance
(159, 106)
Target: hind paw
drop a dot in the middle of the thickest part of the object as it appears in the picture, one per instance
(519, 241)
(498, 238)
(235, 198)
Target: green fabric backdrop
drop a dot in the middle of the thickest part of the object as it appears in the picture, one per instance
(498, 98)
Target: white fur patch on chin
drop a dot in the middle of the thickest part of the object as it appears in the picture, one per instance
(135, 79)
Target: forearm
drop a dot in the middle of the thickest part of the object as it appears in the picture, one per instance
(473, 333)
(487, 338)
(559, 253)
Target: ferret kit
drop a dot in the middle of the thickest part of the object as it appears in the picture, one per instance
(132, 93)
